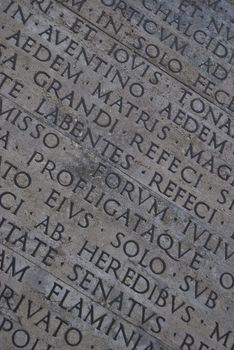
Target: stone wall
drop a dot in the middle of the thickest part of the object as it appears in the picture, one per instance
(116, 175)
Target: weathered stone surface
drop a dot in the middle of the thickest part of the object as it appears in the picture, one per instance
(116, 175)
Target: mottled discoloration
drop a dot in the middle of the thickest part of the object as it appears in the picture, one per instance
(116, 175)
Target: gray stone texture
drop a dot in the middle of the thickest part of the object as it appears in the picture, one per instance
(116, 175)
